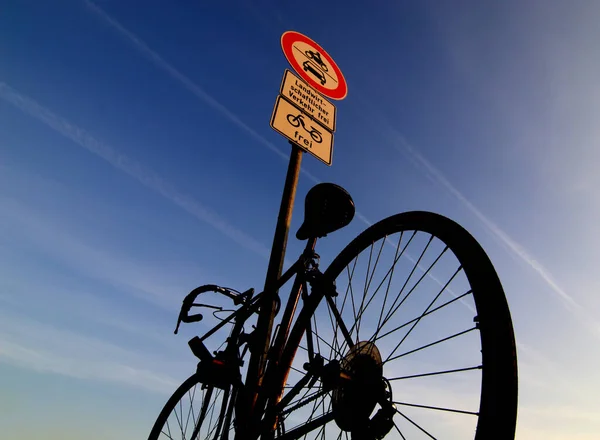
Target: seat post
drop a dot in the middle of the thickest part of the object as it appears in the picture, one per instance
(311, 243)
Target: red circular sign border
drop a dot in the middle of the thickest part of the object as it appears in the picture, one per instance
(288, 39)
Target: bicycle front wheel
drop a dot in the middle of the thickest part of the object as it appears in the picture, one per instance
(421, 334)
(195, 411)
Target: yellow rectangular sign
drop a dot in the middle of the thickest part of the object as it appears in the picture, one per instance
(308, 100)
(302, 130)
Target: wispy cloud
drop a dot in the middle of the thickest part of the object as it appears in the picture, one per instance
(52, 239)
(30, 344)
(186, 82)
(512, 245)
(129, 166)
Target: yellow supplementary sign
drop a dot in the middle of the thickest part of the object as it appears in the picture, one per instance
(303, 130)
(308, 99)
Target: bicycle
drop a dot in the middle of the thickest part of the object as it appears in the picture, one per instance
(298, 120)
(335, 368)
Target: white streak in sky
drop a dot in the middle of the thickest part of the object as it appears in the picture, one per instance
(145, 176)
(194, 88)
(44, 348)
(516, 249)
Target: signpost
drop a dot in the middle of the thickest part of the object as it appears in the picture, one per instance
(307, 120)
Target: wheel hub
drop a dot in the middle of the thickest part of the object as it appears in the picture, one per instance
(361, 386)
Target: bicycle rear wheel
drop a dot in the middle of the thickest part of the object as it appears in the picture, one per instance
(194, 412)
(439, 346)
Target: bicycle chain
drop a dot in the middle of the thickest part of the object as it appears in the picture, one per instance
(303, 403)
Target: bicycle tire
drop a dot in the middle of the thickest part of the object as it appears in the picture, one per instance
(211, 394)
(497, 407)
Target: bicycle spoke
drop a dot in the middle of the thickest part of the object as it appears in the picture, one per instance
(437, 408)
(365, 290)
(393, 307)
(390, 274)
(364, 309)
(391, 270)
(339, 320)
(335, 327)
(316, 333)
(191, 407)
(430, 345)
(210, 420)
(399, 432)
(210, 423)
(423, 315)
(436, 373)
(389, 316)
(314, 409)
(205, 408)
(337, 351)
(322, 430)
(428, 306)
(344, 302)
(179, 422)
(169, 429)
(163, 432)
(297, 370)
(415, 424)
(309, 340)
(349, 289)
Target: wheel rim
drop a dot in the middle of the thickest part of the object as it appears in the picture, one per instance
(449, 329)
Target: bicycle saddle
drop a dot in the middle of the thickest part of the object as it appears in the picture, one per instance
(327, 208)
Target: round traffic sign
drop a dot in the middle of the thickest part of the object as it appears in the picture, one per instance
(314, 65)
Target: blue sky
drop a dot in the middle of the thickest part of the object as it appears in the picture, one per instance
(137, 162)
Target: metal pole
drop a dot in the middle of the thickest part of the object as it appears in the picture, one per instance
(264, 324)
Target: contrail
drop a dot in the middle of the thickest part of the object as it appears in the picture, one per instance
(518, 250)
(159, 61)
(136, 170)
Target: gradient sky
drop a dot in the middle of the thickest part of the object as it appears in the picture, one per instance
(137, 162)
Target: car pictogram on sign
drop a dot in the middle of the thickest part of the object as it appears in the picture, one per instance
(310, 66)
(316, 56)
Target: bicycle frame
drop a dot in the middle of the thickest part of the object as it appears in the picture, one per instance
(256, 403)
(285, 342)
(282, 349)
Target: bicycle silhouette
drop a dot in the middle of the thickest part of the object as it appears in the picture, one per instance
(407, 326)
(298, 120)
(337, 365)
